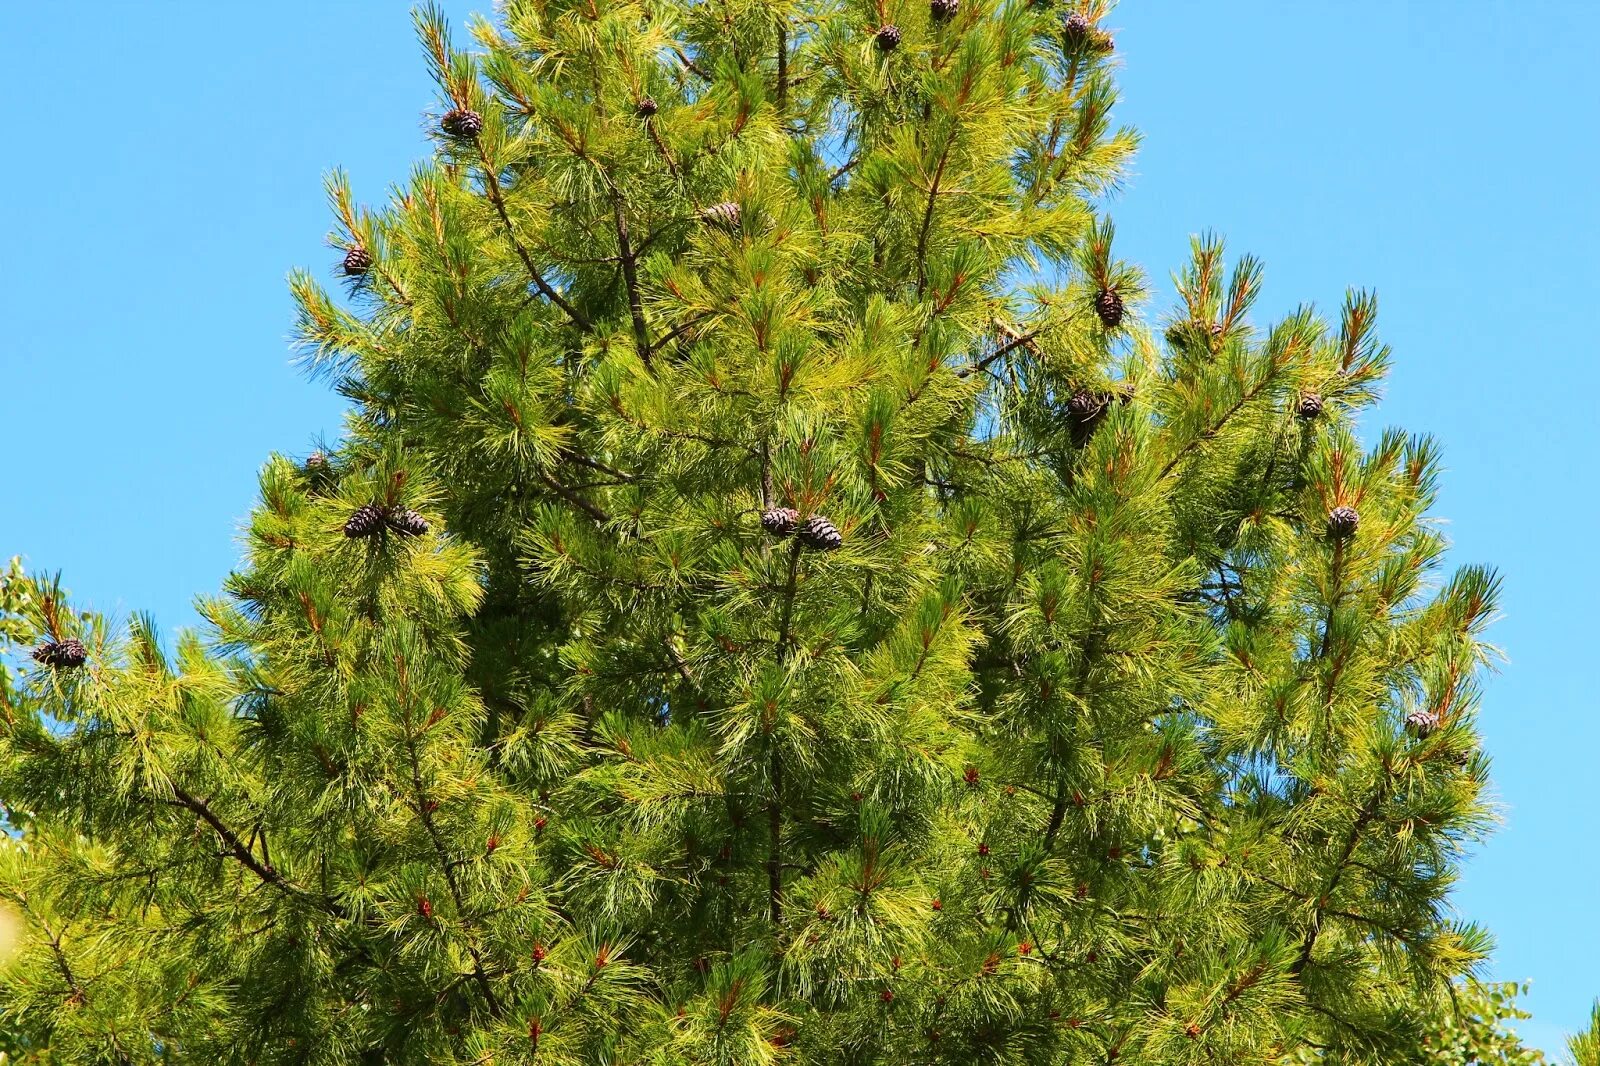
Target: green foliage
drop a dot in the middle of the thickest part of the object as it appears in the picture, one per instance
(1470, 1022)
(1585, 1047)
(1476, 1027)
(1087, 745)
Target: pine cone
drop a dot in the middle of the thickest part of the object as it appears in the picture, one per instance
(1310, 407)
(368, 520)
(319, 473)
(461, 123)
(1085, 404)
(62, 655)
(1183, 335)
(819, 534)
(407, 523)
(646, 108)
(888, 38)
(1084, 411)
(1076, 25)
(1108, 305)
(780, 521)
(1342, 522)
(1421, 724)
(357, 261)
(724, 215)
(943, 10)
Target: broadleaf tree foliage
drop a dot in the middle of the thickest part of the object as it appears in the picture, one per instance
(1100, 698)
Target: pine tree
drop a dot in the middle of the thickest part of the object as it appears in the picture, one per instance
(1042, 731)
(1585, 1046)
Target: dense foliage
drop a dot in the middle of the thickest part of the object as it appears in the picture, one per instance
(1102, 697)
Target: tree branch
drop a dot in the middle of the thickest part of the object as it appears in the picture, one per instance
(927, 219)
(573, 498)
(689, 63)
(595, 464)
(666, 155)
(267, 873)
(783, 65)
(1091, 648)
(630, 277)
(1363, 819)
(1216, 427)
(678, 330)
(443, 856)
(497, 198)
(775, 763)
(1016, 341)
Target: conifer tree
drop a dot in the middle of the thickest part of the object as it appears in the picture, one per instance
(781, 597)
(1585, 1046)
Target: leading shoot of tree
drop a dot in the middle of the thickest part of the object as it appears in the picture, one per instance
(781, 597)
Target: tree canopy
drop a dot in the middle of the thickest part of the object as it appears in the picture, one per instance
(781, 596)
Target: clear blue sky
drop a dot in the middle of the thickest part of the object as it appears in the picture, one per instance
(164, 174)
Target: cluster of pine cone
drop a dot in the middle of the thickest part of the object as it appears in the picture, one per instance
(61, 654)
(816, 532)
(1085, 409)
(370, 520)
(1183, 335)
